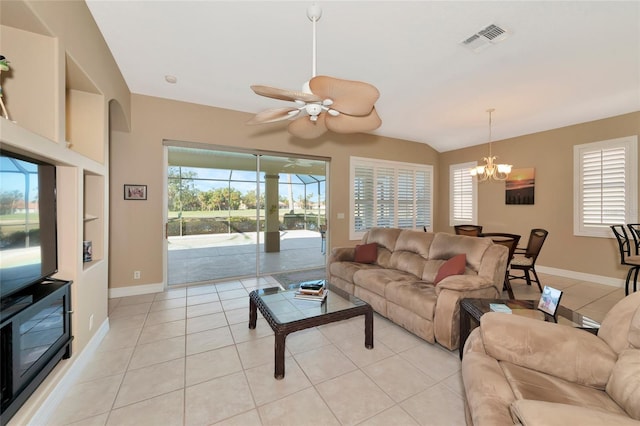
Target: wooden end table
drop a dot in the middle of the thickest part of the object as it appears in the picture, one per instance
(475, 308)
(286, 314)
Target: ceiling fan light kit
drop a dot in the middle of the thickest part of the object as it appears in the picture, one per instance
(491, 171)
(325, 103)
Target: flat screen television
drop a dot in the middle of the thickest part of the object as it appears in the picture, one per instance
(28, 235)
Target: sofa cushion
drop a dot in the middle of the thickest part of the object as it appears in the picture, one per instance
(418, 297)
(454, 266)
(530, 413)
(624, 384)
(346, 270)
(616, 328)
(445, 246)
(375, 280)
(411, 251)
(366, 253)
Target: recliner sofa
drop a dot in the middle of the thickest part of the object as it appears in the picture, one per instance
(399, 281)
(519, 370)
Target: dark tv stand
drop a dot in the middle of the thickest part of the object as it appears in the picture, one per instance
(35, 334)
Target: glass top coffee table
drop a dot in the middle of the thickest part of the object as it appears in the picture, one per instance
(286, 314)
(475, 308)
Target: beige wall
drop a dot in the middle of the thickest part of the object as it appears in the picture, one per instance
(137, 227)
(551, 154)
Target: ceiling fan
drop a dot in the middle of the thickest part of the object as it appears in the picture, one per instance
(325, 103)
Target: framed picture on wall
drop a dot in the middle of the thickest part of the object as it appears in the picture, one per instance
(520, 186)
(135, 192)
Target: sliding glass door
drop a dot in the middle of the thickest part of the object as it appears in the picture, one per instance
(239, 214)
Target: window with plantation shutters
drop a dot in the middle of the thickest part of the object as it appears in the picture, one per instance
(605, 186)
(463, 191)
(389, 194)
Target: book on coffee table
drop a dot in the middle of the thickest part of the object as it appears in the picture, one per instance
(319, 297)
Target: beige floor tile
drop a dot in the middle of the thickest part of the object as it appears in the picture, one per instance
(432, 360)
(238, 303)
(172, 293)
(106, 363)
(208, 340)
(201, 299)
(306, 340)
(233, 294)
(229, 285)
(250, 418)
(212, 364)
(161, 305)
(158, 352)
(364, 400)
(148, 382)
(206, 322)
(236, 316)
(324, 363)
(120, 338)
(203, 309)
(397, 339)
(258, 352)
(99, 420)
(394, 416)
(134, 300)
(266, 388)
(201, 289)
(436, 406)
(343, 329)
(217, 399)
(166, 410)
(398, 378)
(166, 330)
(242, 333)
(304, 408)
(168, 315)
(86, 400)
(454, 382)
(129, 310)
(358, 353)
(134, 321)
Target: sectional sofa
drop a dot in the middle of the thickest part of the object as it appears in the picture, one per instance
(416, 278)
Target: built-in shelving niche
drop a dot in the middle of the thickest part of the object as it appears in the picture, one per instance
(93, 220)
(85, 117)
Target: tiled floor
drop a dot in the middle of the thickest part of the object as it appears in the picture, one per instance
(187, 357)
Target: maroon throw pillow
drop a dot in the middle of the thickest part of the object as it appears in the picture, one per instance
(453, 266)
(366, 253)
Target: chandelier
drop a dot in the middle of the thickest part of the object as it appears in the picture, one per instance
(491, 171)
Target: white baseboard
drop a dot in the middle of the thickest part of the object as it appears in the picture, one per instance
(43, 415)
(598, 279)
(135, 290)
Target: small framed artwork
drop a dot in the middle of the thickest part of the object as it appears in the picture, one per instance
(550, 300)
(520, 186)
(135, 192)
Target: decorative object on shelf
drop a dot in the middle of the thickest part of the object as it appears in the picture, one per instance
(325, 103)
(4, 66)
(87, 251)
(520, 186)
(135, 192)
(490, 171)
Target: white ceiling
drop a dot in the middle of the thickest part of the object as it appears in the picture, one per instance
(563, 62)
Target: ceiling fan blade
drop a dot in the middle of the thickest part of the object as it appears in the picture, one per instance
(354, 124)
(304, 128)
(274, 114)
(349, 97)
(284, 94)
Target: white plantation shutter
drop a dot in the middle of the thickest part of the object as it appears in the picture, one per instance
(462, 195)
(605, 186)
(390, 194)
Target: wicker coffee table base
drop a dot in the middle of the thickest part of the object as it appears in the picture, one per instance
(282, 330)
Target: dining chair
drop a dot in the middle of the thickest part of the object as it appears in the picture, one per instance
(634, 230)
(524, 259)
(469, 230)
(510, 241)
(626, 258)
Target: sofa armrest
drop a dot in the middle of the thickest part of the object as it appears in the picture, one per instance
(342, 254)
(558, 350)
(530, 412)
(464, 283)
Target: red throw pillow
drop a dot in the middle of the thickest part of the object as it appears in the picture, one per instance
(366, 253)
(453, 266)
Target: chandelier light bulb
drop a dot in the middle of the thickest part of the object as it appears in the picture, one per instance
(490, 171)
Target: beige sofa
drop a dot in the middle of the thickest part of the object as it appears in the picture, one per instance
(519, 370)
(399, 283)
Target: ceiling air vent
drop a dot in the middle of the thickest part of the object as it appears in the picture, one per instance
(491, 34)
